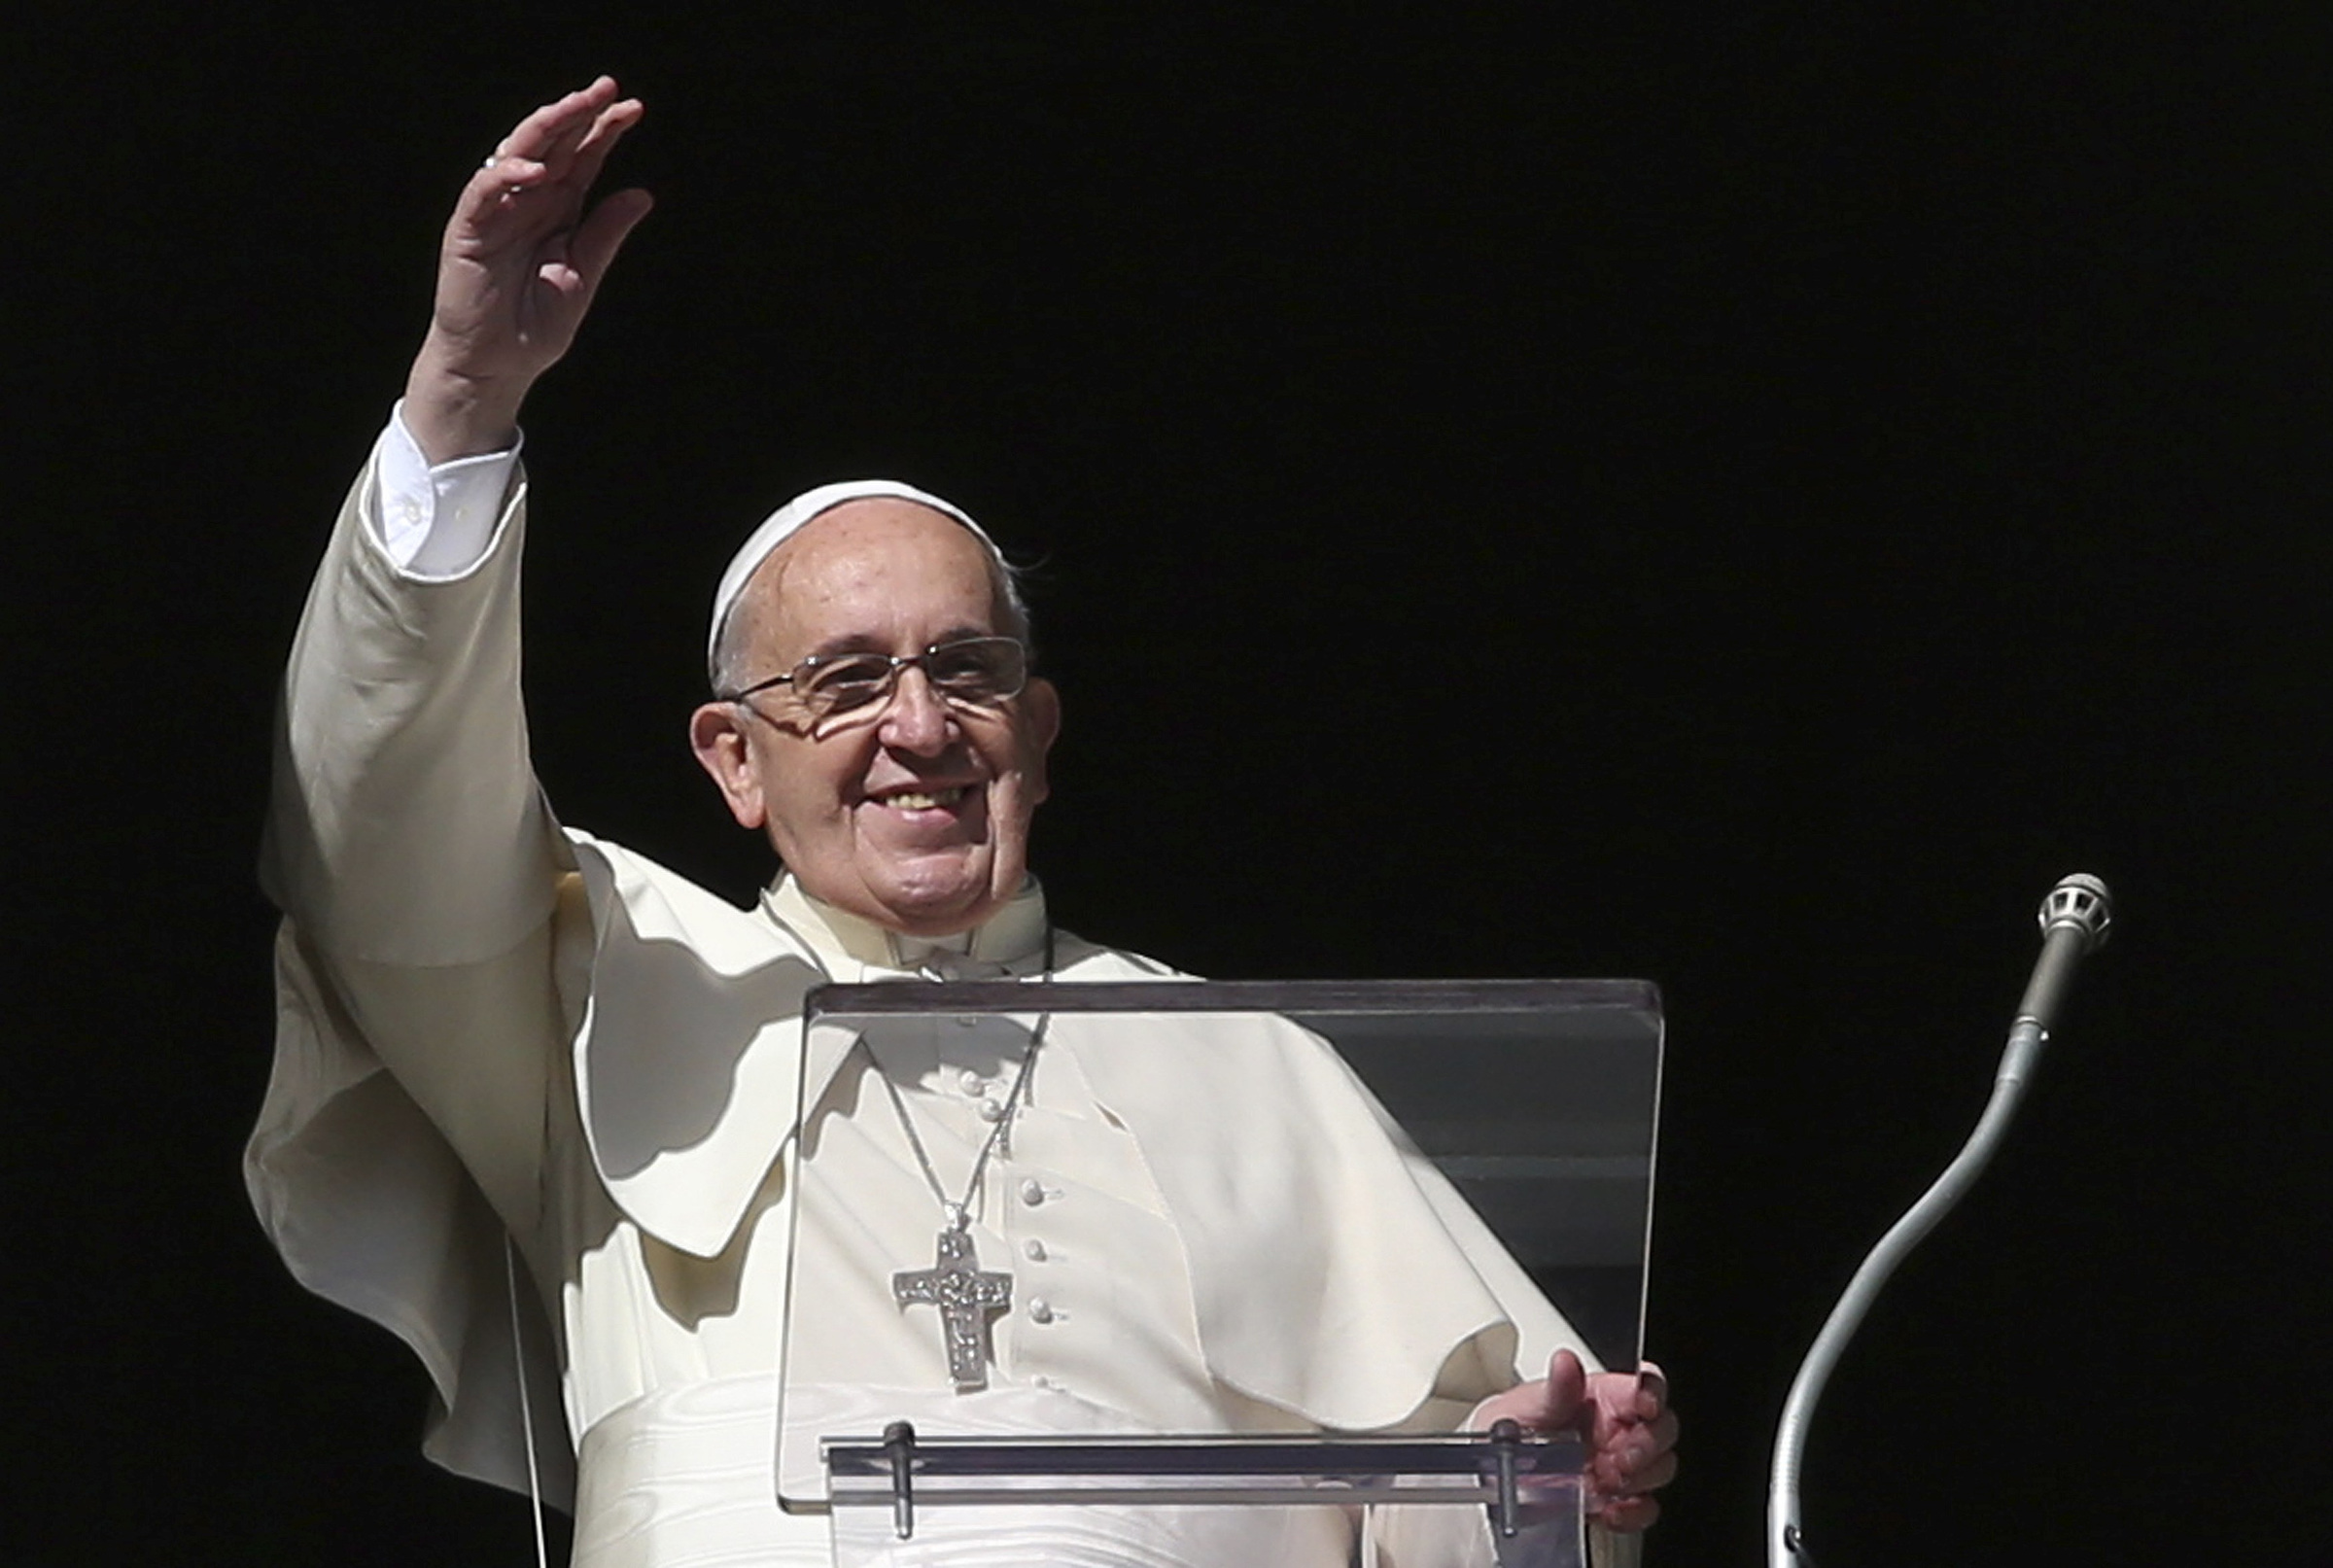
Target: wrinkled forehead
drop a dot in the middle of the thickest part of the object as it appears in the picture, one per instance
(869, 569)
(792, 517)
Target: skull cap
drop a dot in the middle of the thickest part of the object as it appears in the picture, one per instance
(787, 520)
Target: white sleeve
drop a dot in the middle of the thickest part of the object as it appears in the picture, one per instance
(435, 522)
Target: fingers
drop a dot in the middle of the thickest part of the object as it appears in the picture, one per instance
(1639, 1459)
(1632, 1442)
(1628, 1426)
(1639, 1394)
(1629, 1447)
(503, 177)
(600, 137)
(1651, 1390)
(562, 144)
(1627, 1467)
(1622, 1399)
(574, 159)
(536, 183)
(558, 127)
(582, 146)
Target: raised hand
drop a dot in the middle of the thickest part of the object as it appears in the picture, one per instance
(523, 254)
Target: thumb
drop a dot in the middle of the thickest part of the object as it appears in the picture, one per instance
(1566, 1390)
(1549, 1405)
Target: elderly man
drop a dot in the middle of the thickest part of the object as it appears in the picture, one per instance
(532, 1090)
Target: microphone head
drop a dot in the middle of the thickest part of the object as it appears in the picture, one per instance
(2082, 902)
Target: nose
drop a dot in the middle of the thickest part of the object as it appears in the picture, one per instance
(915, 720)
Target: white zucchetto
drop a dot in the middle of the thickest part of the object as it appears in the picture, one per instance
(783, 523)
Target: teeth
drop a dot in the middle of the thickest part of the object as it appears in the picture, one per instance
(925, 803)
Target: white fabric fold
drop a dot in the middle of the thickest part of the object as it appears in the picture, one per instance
(686, 1066)
(695, 1010)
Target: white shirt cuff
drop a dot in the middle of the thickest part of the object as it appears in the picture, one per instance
(435, 522)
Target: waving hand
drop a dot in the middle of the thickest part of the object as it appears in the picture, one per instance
(523, 254)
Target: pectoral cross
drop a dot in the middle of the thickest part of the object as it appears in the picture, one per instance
(964, 1296)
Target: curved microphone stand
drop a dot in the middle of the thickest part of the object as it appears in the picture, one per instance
(2074, 919)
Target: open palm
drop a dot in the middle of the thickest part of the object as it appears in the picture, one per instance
(523, 256)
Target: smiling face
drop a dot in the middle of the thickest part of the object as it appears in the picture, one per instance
(914, 813)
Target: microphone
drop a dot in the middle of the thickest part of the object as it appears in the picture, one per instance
(2074, 919)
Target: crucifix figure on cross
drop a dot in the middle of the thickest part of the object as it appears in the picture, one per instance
(966, 1298)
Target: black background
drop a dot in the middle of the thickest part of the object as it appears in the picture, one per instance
(1746, 497)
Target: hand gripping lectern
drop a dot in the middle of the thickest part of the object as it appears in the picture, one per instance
(1187, 1274)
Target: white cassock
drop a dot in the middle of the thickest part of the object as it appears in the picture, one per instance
(490, 1027)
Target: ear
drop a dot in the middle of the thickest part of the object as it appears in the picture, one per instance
(716, 733)
(1041, 709)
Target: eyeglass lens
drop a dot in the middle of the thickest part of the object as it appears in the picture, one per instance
(979, 670)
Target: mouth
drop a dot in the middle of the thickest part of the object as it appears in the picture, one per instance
(917, 800)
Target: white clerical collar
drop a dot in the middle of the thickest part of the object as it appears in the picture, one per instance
(1014, 933)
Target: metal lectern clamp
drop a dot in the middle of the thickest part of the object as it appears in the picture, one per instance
(1506, 1437)
(899, 1442)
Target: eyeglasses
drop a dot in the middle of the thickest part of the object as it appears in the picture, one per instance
(972, 672)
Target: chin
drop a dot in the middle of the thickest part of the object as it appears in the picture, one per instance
(936, 907)
(935, 920)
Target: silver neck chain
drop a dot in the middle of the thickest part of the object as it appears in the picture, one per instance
(959, 1213)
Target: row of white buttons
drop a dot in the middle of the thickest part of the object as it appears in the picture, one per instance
(973, 1084)
(1034, 1193)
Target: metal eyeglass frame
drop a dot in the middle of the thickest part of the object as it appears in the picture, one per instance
(799, 676)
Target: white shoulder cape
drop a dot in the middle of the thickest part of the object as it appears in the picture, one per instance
(1348, 1314)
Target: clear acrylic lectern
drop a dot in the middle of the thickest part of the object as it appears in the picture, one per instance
(1052, 1294)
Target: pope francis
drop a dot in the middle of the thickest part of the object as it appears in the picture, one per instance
(533, 1092)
